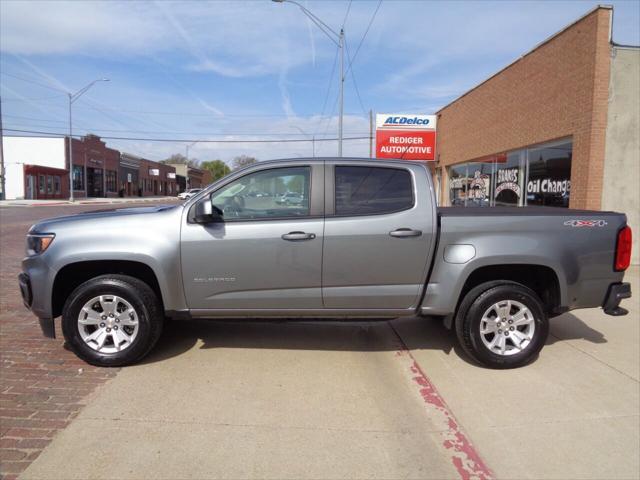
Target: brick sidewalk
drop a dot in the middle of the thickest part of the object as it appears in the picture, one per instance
(42, 385)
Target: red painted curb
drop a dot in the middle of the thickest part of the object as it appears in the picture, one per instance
(465, 458)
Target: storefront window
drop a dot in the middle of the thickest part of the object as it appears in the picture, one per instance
(458, 185)
(78, 177)
(56, 184)
(49, 184)
(41, 184)
(111, 181)
(549, 181)
(509, 179)
(479, 183)
(539, 175)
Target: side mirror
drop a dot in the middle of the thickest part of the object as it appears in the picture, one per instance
(206, 213)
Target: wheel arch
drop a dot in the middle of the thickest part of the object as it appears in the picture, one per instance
(542, 279)
(74, 274)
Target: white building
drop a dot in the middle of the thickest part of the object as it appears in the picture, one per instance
(35, 168)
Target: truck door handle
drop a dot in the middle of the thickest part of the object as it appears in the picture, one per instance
(296, 236)
(405, 232)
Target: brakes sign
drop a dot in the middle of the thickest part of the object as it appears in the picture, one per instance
(407, 137)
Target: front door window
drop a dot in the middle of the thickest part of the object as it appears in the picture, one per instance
(275, 193)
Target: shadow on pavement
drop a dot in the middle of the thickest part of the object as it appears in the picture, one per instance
(569, 327)
(359, 336)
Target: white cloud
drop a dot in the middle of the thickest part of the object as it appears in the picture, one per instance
(233, 39)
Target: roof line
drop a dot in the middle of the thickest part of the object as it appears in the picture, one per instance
(545, 41)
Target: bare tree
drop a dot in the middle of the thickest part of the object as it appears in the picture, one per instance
(242, 161)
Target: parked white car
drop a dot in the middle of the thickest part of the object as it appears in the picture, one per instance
(189, 193)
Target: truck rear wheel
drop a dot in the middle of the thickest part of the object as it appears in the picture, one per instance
(112, 320)
(502, 324)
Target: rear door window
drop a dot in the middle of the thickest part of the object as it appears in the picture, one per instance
(372, 190)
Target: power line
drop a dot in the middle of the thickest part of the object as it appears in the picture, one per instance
(34, 119)
(346, 15)
(330, 117)
(191, 140)
(353, 77)
(180, 114)
(326, 97)
(165, 132)
(364, 36)
(24, 99)
(33, 81)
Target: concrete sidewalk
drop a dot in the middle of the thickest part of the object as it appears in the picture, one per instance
(84, 201)
(332, 400)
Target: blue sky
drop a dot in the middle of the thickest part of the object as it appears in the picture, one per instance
(252, 70)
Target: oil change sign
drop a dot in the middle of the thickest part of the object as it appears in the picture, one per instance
(408, 137)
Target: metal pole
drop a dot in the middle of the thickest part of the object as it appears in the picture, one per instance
(341, 92)
(370, 133)
(70, 153)
(313, 146)
(3, 183)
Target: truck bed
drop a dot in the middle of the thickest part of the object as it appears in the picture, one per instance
(517, 211)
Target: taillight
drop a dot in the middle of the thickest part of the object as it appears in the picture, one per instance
(623, 250)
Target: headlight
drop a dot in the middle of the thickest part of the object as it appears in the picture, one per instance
(38, 243)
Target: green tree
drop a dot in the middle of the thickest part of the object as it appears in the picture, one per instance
(296, 184)
(242, 161)
(217, 168)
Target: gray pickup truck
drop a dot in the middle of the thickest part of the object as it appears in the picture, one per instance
(364, 239)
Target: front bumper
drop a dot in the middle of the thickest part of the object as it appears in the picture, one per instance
(36, 282)
(47, 324)
(617, 292)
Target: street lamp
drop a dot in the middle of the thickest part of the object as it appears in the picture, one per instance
(188, 147)
(313, 139)
(72, 98)
(187, 180)
(338, 39)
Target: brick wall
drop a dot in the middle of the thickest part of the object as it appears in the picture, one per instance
(558, 90)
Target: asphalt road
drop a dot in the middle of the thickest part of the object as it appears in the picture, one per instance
(258, 399)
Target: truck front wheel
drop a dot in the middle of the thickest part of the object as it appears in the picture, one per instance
(502, 324)
(112, 320)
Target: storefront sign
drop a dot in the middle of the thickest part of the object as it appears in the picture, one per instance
(171, 175)
(128, 177)
(408, 137)
(548, 185)
(154, 172)
(479, 186)
(508, 180)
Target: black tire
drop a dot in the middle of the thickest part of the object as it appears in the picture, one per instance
(134, 291)
(477, 302)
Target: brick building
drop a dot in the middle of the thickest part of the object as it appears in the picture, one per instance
(156, 178)
(38, 168)
(191, 177)
(557, 127)
(95, 168)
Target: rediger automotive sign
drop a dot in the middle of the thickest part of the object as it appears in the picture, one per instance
(409, 137)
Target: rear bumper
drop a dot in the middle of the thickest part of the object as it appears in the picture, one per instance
(617, 292)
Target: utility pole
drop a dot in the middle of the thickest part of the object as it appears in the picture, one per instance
(72, 98)
(338, 40)
(341, 92)
(370, 133)
(187, 179)
(3, 183)
(71, 152)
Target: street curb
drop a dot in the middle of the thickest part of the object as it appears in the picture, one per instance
(18, 203)
(455, 442)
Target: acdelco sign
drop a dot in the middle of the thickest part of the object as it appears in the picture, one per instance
(407, 137)
(405, 121)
